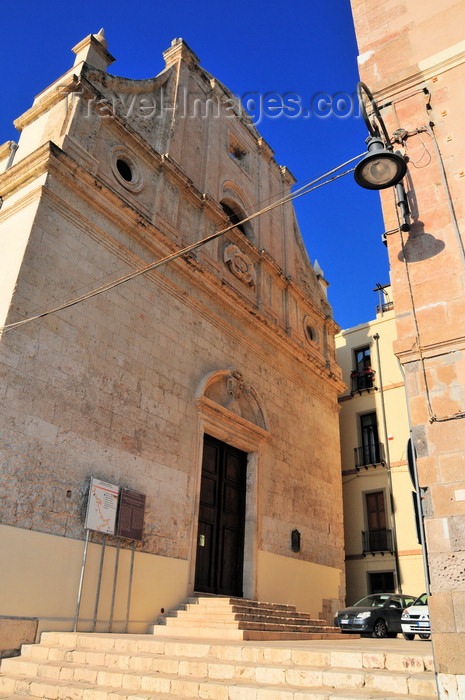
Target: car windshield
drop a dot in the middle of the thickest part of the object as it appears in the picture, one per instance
(421, 600)
(372, 601)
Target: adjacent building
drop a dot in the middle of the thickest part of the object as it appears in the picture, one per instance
(207, 385)
(383, 551)
(412, 57)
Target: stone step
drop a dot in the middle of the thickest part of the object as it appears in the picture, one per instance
(217, 617)
(195, 623)
(56, 645)
(197, 679)
(216, 691)
(298, 618)
(238, 604)
(260, 634)
(125, 667)
(218, 601)
(128, 672)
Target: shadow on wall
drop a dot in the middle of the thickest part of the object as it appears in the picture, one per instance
(420, 245)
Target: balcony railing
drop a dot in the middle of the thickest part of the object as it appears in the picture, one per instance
(369, 455)
(362, 381)
(387, 306)
(377, 541)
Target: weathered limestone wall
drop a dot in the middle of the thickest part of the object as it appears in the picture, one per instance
(123, 386)
(403, 51)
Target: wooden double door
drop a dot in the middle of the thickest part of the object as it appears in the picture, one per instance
(220, 544)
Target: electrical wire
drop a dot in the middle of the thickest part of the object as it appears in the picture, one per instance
(433, 418)
(305, 189)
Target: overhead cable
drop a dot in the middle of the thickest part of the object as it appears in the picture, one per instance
(305, 189)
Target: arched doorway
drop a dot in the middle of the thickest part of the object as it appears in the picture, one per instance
(233, 434)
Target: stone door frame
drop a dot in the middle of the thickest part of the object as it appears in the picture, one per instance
(223, 424)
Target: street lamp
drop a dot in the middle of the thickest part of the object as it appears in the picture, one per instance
(381, 167)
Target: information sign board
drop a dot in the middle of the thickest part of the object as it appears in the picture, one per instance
(102, 507)
(131, 515)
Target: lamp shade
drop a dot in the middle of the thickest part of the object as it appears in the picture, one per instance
(379, 168)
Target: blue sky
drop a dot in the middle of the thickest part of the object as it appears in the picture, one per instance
(306, 49)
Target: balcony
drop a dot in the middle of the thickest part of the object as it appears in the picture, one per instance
(377, 541)
(382, 308)
(362, 381)
(369, 455)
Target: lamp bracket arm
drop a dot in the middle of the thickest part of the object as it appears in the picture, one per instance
(377, 123)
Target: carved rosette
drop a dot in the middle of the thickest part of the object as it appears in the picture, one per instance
(240, 265)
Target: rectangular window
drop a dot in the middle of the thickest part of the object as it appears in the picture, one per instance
(370, 439)
(376, 512)
(381, 582)
(376, 538)
(362, 358)
(362, 376)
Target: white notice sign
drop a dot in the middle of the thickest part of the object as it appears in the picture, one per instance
(102, 506)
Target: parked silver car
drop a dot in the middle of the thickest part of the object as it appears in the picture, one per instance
(415, 619)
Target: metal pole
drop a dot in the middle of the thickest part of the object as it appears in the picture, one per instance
(81, 581)
(114, 584)
(388, 463)
(130, 585)
(99, 582)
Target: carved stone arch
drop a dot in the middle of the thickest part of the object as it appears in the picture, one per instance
(229, 390)
(230, 410)
(232, 191)
(235, 207)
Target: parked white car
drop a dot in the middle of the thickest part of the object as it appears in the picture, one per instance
(415, 619)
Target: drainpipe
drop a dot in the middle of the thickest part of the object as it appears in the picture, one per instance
(388, 464)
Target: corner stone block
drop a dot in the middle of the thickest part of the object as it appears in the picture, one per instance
(437, 535)
(458, 601)
(449, 650)
(442, 612)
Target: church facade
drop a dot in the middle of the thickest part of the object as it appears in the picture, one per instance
(207, 384)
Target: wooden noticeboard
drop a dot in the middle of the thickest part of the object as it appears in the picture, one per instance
(131, 515)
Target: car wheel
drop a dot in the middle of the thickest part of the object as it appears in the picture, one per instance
(407, 636)
(424, 636)
(380, 629)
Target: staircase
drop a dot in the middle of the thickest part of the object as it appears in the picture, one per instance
(87, 666)
(218, 617)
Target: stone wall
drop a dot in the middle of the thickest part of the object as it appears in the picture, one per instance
(413, 58)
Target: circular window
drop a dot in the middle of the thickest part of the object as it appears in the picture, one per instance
(126, 169)
(310, 331)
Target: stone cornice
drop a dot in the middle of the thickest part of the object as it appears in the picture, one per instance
(429, 68)
(25, 171)
(54, 94)
(5, 149)
(51, 159)
(430, 351)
